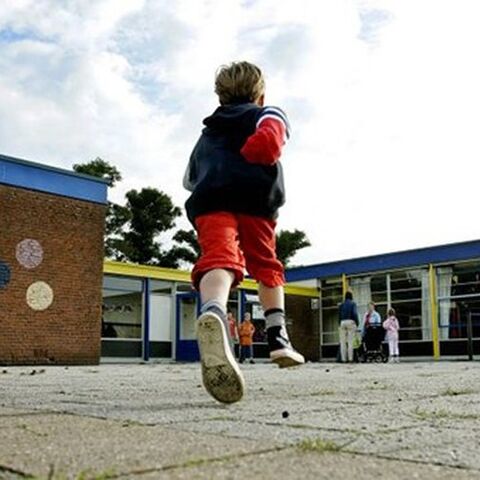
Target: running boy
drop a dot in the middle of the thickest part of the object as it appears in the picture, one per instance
(236, 181)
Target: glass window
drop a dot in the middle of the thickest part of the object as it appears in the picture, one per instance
(122, 283)
(233, 305)
(459, 280)
(410, 297)
(332, 293)
(406, 297)
(188, 316)
(331, 298)
(159, 286)
(122, 308)
(409, 316)
(160, 310)
(252, 306)
(457, 313)
(303, 323)
(368, 289)
(407, 291)
(160, 317)
(406, 285)
(458, 291)
(185, 287)
(378, 287)
(362, 294)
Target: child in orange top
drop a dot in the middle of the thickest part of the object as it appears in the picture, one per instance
(246, 331)
(238, 152)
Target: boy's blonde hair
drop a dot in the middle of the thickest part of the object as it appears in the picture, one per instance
(239, 82)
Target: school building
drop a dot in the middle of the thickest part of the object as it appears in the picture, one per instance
(61, 303)
(149, 312)
(51, 263)
(435, 292)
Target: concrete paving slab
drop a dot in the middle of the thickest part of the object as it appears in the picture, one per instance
(9, 411)
(464, 455)
(69, 445)
(274, 434)
(412, 413)
(311, 466)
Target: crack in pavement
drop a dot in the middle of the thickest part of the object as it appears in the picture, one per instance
(12, 471)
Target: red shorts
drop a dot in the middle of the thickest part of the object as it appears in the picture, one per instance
(235, 242)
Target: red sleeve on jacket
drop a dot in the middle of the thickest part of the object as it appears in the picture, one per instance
(265, 145)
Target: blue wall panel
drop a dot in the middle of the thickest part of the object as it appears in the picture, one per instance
(33, 176)
(390, 261)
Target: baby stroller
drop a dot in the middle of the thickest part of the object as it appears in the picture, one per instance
(371, 349)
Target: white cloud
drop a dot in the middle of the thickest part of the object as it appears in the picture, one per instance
(383, 97)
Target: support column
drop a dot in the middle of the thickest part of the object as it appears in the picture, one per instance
(434, 313)
(146, 320)
(344, 286)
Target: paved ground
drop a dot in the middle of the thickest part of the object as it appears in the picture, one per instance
(412, 420)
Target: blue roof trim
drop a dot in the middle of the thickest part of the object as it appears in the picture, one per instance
(389, 261)
(35, 176)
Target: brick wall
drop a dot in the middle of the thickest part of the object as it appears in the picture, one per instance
(51, 256)
(303, 326)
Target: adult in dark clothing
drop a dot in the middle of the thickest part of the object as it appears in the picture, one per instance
(348, 317)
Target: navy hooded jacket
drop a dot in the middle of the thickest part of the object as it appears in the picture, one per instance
(220, 178)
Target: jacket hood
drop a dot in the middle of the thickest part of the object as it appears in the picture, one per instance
(226, 117)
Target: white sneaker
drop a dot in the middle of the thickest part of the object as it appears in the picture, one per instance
(221, 375)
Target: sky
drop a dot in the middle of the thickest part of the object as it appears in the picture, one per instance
(383, 97)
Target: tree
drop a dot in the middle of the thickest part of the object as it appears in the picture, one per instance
(100, 168)
(288, 244)
(188, 248)
(117, 216)
(151, 212)
(131, 230)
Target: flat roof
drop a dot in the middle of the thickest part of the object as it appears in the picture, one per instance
(113, 267)
(21, 173)
(388, 261)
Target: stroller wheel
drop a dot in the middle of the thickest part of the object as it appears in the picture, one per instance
(385, 358)
(379, 358)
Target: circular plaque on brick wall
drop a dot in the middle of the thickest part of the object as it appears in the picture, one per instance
(4, 274)
(29, 253)
(39, 296)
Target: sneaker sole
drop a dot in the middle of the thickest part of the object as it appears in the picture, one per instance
(221, 375)
(286, 358)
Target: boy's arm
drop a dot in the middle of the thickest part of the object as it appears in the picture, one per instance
(264, 147)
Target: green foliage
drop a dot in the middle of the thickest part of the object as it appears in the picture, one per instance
(132, 230)
(188, 248)
(116, 216)
(288, 244)
(318, 445)
(151, 212)
(100, 168)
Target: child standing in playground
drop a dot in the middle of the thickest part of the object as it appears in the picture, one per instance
(392, 327)
(236, 181)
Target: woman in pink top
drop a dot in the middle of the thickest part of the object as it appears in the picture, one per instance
(392, 327)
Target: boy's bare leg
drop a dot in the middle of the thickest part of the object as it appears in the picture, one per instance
(271, 297)
(281, 350)
(215, 286)
(220, 373)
